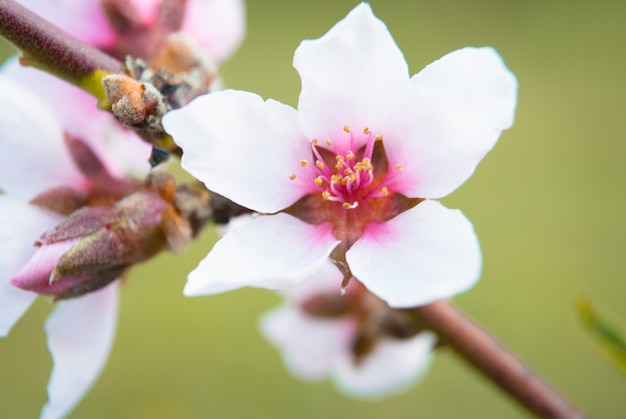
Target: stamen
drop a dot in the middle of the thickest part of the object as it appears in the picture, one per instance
(348, 181)
(369, 147)
(292, 176)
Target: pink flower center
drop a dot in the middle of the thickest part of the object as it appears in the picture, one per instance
(347, 175)
(355, 187)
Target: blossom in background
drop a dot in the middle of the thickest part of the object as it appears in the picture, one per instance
(366, 348)
(47, 172)
(140, 27)
(351, 175)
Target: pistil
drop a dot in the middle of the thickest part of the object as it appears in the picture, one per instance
(347, 180)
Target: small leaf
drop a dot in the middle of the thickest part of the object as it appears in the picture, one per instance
(611, 340)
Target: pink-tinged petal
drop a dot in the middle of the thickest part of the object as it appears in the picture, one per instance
(273, 251)
(217, 25)
(35, 274)
(80, 335)
(147, 9)
(309, 347)
(119, 148)
(393, 367)
(83, 19)
(242, 147)
(460, 104)
(424, 254)
(355, 75)
(34, 157)
(22, 224)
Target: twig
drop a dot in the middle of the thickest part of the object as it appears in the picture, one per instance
(47, 47)
(500, 365)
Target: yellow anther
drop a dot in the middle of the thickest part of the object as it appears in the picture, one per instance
(335, 179)
(304, 163)
(379, 138)
(329, 143)
(292, 176)
(318, 181)
(398, 166)
(319, 164)
(366, 130)
(314, 141)
(326, 195)
(346, 128)
(350, 155)
(350, 206)
(384, 191)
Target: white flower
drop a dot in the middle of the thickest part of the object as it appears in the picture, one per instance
(35, 159)
(351, 174)
(346, 344)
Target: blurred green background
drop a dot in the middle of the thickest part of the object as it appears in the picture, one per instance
(547, 203)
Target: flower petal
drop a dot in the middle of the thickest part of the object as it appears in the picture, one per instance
(309, 347)
(119, 148)
(424, 254)
(353, 75)
(21, 225)
(34, 157)
(242, 147)
(460, 105)
(393, 367)
(273, 251)
(83, 19)
(80, 335)
(217, 25)
(35, 274)
(326, 279)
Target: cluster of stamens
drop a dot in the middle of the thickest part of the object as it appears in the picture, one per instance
(349, 180)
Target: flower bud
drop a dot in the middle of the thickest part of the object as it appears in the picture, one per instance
(94, 245)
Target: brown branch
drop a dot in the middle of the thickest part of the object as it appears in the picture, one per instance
(501, 366)
(47, 47)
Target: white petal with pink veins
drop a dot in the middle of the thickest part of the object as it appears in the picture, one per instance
(22, 224)
(80, 335)
(355, 75)
(242, 147)
(424, 254)
(273, 251)
(217, 25)
(34, 157)
(459, 106)
(392, 367)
